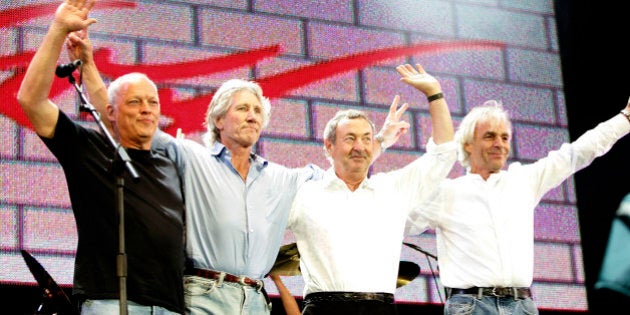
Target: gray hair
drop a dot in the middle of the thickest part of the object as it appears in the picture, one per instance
(122, 81)
(489, 111)
(330, 131)
(220, 105)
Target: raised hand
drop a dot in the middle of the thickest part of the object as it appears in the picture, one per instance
(393, 127)
(72, 15)
(419, 79)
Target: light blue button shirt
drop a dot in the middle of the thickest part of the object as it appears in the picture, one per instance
(233, 225)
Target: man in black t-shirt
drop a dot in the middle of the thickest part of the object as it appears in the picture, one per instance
(153, 204)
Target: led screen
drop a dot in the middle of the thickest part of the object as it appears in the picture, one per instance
(312, 58)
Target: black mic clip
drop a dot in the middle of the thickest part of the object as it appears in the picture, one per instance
(66, 70)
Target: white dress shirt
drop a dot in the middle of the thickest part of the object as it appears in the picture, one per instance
(351, 240)
(485, 228)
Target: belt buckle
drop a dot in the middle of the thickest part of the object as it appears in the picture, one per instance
(241, 280)
(259, 285)
(494, 292)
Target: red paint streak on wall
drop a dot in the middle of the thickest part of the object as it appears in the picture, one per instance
(188, 115)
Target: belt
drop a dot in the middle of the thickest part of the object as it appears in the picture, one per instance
(521, 293)
(318, 297)
(224, 276)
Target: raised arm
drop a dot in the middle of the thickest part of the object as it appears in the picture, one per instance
(442, 125)
(72, 15)
(79, 46)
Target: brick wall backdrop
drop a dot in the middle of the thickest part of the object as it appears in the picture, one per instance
(521, 68)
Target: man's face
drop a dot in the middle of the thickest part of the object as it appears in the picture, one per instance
(242, 124)
(352, 150)
(490, 148)
(137, 114)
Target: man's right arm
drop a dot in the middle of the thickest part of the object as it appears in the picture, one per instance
(35, 88)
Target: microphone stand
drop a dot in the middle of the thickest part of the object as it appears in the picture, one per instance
(121, 159)
(416, 247)
(427, 254)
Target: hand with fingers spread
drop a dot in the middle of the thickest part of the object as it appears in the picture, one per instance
(393, 127)
(442, 124)
(72, 15)
(419, 79)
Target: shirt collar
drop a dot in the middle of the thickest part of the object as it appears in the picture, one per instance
(494, 177)
(330, 180)
(220, 151)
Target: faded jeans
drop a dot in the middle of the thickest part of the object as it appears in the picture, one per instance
(112, 307)
(471, 304)
(205, 296)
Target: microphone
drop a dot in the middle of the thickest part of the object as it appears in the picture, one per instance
(66, 70)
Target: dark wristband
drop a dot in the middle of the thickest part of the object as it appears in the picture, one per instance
(435, 97)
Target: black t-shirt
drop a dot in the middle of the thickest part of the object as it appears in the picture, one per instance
(154, 218)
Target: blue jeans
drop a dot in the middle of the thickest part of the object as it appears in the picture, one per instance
(471, 304)
(112, 307)
(205, 296)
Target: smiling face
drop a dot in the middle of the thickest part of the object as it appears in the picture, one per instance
(136, 113)
(351, 151)
(242, 124)
(490, 147)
